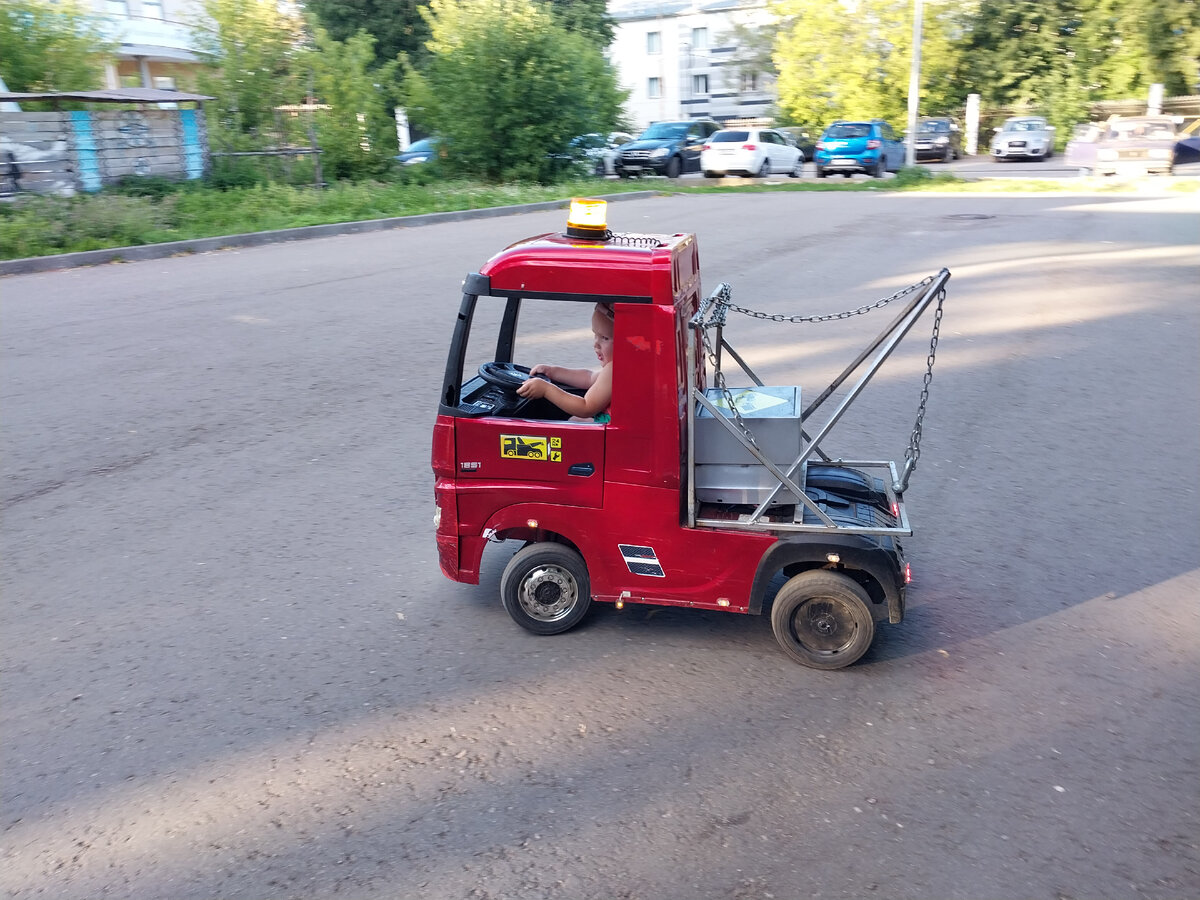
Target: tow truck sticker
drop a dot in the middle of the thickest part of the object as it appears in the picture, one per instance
(529, 446)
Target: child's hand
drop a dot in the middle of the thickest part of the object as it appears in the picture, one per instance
(534, 388)
(541, 369)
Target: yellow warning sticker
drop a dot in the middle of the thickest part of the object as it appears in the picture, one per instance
(528, 446)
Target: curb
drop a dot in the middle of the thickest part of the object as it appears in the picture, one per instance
(32, 264)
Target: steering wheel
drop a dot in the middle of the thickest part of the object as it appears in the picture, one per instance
(504, 374)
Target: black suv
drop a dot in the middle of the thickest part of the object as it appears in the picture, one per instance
(937, 138)
(666, 148)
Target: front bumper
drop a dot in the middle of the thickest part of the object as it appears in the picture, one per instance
(932, 151)
(1018, 152)
(653, 166)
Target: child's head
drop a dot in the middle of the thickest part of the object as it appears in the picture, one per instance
(602, 331)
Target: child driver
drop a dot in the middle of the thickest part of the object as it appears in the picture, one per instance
(593, 405)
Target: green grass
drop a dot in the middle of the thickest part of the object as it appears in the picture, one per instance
(150, 213)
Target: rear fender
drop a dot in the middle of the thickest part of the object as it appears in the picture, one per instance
(870, 566)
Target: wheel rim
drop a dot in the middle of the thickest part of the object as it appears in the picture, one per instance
(548, 593)
(824, 625)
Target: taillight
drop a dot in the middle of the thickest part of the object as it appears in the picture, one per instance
(443, 448)
(907, 573)
(895, 510)
(821, 145)
(706, 147)
(749, 147)
(872, 145)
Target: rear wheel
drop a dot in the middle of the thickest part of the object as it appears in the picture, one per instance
(545, 588)
(823, 619)
(712, 174)
(880, 168)
(674, 166)
(764, 170)
(820, 172)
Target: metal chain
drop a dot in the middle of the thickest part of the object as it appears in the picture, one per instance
(722, 296)
(830, 317)
(913, 453)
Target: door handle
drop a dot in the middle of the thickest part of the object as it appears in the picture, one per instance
(583, 469)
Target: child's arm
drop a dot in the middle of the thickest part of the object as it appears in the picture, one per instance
(595, 401)
(576, 378)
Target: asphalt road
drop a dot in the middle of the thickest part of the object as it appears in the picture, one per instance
(231, 667)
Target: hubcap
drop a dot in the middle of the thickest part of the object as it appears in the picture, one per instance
(548, 593)
(824, 625)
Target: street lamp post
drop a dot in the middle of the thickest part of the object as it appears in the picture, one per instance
(914, 87)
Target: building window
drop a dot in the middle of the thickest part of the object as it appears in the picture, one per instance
(699, 38)
(152, 9)
(164, 83)
(749, 81)
(699, 84)
(654, 87)
(117, 8)
(653, 42)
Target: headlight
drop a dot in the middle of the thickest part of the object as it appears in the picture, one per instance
(1106, 154)
(1161, 153)
(941, 140)
(661, 151)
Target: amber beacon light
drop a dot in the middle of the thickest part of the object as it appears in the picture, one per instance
(587, 219)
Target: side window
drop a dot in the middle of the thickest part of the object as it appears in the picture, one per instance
(653, 43)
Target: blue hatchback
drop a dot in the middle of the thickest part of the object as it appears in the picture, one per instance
(869, 147)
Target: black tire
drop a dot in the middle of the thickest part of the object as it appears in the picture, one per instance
(545, 588)
(880, 168)
(712, 175)
(820, 172)
(764, 170)
(823, 619)
(948, 155)
(798, 169)
(674, 167)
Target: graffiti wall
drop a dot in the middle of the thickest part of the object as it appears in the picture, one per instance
(65, 152)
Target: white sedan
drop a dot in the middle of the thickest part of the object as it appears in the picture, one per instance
(750, 151)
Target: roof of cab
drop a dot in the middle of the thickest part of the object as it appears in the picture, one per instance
(626, 268)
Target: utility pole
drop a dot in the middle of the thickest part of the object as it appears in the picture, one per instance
(914, 87)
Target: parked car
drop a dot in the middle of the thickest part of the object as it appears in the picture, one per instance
(1080, 152)
(800, 136)
(750, 151)
(937, 138)
(1137, 145)
(600, 151)
(869, 147)
(1023, 137)
(666, 148)
(418, 152)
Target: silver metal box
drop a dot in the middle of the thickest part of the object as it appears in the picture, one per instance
(725, 470)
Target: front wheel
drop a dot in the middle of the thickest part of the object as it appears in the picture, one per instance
(823, 619)
(545, 588)
(674, 167)
(798, 169)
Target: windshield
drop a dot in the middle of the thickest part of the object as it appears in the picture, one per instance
(1025, 125)
(1142, 130)
(849, 130)
(935, 128)
(665, 131)
(425, 145)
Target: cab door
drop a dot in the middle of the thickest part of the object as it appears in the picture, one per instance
(502, 462)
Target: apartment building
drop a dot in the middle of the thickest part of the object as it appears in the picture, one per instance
(682, 59)
(156, 48)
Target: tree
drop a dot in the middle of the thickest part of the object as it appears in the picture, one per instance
(397, 26)
(250, 49)
(357, 133)
(589, 18)
(46, 47)
(507, 86)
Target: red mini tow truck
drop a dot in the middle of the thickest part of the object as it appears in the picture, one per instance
(695, 494)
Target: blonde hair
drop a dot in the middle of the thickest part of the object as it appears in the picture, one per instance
(605, 309)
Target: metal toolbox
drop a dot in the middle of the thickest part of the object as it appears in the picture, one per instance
(725, 470)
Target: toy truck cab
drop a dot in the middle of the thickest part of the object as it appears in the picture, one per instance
(665, 503)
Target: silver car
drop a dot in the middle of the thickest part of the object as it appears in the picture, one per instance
(1023, 137)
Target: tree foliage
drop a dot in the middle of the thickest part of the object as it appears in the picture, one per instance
(249, 49)
(507, 86)
(51, 47)
(357, 133)
(397, 26)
